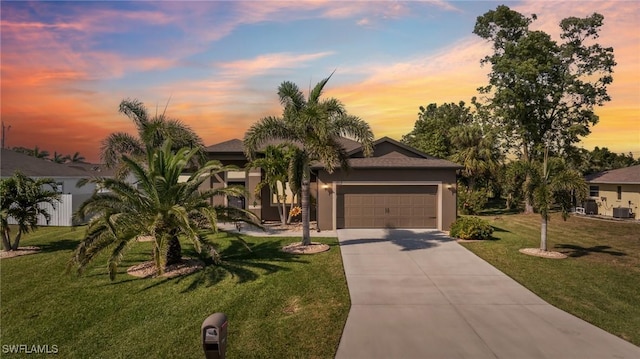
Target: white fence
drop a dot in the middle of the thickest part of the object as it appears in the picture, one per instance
(61, 212)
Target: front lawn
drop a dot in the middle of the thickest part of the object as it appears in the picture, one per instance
(599, 282)
(278, 305)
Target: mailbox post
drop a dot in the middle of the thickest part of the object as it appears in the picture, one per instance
(214, 336)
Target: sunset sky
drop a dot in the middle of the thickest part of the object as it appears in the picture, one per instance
(217, 64)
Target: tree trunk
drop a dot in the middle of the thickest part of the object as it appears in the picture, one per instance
(304, 194)
(543, 234)
(16, 244)
(6, 239)
(528, 207)
(174, 251)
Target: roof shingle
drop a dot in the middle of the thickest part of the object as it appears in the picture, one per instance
(627, 175)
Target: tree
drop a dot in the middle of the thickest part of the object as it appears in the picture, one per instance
(76, 157)
(455, 132)
(432, 131)
(152, 133)
(279, 168)
(555, 184)
(316, 126)
(158, 205)
(543, 94)
(37, 153)
(59, 158)
(21, 197)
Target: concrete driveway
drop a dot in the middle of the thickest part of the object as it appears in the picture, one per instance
(419, 294)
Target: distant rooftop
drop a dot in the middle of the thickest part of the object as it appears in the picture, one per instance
(10, 161)
(627, 175)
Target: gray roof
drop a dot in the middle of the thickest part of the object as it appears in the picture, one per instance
(627, 175)
(401, 162)
(231, 146)
(236, 146)
(391, 160)
(10, 161)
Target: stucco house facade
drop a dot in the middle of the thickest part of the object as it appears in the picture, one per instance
(397, 187)
(614, 193)
(65, 176)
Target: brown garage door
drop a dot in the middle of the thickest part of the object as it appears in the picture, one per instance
(388, 207)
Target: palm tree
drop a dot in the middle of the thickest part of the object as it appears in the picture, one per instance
(37, 153)
(316, 126)
(555, 184)
(476, 151)
(158, 205)
(21, 197)
(152, 133)
(278, 168)
(76, 158)
(59, 158)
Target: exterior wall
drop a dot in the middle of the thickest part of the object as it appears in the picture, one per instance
(607, 198)
(445, 179)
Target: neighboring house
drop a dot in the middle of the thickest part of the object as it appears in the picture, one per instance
(398, 187)
(66, 177)
(614, 193)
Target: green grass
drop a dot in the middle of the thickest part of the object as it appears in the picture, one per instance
(295, 306)
(599, 281)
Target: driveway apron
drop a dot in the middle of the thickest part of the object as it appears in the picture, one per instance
(419, 294)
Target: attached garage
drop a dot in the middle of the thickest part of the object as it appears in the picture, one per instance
(399, 206)
(397, 187)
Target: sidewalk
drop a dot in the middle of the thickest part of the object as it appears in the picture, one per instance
(419, 294)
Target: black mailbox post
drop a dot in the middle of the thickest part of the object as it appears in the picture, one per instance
(214, 336)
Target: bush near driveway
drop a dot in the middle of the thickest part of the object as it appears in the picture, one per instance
(599, 280)
(471, 228)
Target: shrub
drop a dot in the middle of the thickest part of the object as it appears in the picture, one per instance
(471, 201)
(471, 228)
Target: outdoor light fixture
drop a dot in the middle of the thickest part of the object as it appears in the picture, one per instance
(327, 187)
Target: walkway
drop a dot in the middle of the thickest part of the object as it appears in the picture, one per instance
(419, 294)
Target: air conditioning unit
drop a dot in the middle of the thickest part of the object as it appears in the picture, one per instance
(621, 212)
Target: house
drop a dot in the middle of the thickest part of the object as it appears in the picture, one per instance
(614, 193)
(397, 187)
(66, 177)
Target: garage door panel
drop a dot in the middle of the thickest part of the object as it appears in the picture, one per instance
(389, 207)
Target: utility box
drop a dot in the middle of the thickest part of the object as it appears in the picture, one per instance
(621, 212)
(214, 336)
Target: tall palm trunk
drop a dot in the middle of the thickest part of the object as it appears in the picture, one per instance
(16, 244)
(6, 239)
(174, 251)
(543, 234)
(304, 192)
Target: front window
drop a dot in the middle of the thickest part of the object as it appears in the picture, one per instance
(594, 191)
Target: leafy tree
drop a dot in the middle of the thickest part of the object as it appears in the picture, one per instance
(431, 133)
(541, 93)
(279, 168)
(21, 197)
(316, 126)
(152, 133)
(158, 205)
(555, 185)
(455, 132)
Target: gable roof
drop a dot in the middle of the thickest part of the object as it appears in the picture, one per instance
(230, 146)
(237, 146)
(10, 161)
(627, 175)
(395, 159)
